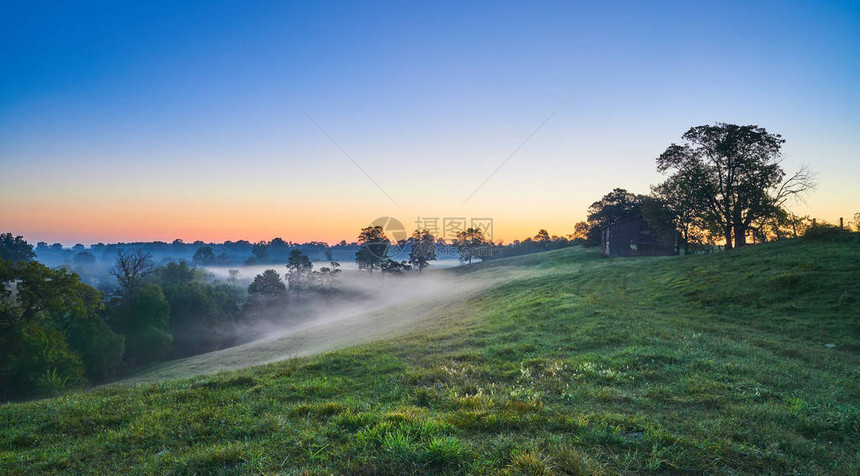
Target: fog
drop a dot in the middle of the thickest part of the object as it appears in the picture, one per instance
(367, 307)
(247, 272)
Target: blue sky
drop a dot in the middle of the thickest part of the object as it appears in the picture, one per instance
(174, 119)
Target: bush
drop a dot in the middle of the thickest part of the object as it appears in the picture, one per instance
(827, 232)
(39, 362)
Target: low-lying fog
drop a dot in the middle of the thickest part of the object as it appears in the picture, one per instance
(247, 272)
(366, 307)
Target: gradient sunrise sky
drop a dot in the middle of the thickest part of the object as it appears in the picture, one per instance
(125, 121)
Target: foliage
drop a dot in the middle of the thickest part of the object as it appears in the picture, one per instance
(390, 266)
(36, 360)
(15, 248)
(728, 176)
(472, 244)
(204, 256)
(144, 319)
(261, 252)
(267, 283)
(176, 274)
(374, 248)
(532, 245)
(327, 277)
(201, 317)
(85, 258)
(828, 232)
(423, 249)
(52, 331)
(100, 349)
(299, 272)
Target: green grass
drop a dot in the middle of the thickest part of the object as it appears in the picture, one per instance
(573, 365)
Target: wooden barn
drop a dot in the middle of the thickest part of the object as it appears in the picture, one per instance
(634, 237)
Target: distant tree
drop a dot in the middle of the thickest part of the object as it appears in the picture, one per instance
(268, 283)
(734, 175)
(222, 259)
(278, 243)
(374, 248)
(423, 249)
(299, 268)
(85, 258)
(472, 244)
(233, 277)
(580, 232)
(15, 248)
(327, 276)
(204, 256)
(542, 238)
(175, 274)
(389, 266)
(130, 269)
(260, 251)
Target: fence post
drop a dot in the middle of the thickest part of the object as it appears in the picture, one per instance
(840, 223)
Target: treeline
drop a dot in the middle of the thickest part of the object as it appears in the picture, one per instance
(228, 253)
(57, 332)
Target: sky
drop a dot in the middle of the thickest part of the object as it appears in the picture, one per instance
(137, 121)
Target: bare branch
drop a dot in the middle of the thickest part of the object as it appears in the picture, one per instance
(131, 268)
(795, 186)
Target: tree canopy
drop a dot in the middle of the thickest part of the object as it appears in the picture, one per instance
(472, 244)
(729, 176)
(423, 249)
(15, 248)
(374, 248)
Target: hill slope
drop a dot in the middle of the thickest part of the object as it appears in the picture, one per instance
(574, 364)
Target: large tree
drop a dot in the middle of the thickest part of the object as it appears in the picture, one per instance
(732, 174)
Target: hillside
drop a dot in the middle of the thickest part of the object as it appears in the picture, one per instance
(563, 362)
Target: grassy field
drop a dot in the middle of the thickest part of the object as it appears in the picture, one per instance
(740, 362)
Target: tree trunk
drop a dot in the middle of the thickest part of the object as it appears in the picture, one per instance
(728, 234)
(740, 237)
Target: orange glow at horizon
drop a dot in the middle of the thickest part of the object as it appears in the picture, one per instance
(122, 221)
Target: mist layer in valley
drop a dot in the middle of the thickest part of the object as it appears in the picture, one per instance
(366, 307)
